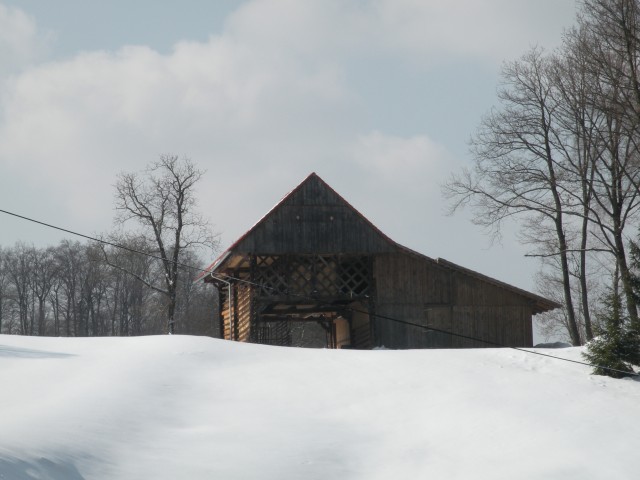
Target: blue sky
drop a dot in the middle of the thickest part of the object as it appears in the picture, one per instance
(378, 97)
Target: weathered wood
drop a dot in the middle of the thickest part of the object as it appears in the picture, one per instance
(421, 291)
(314, 219)
(314, 258)
(244, 293)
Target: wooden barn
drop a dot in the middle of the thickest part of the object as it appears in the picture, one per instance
(315, 272)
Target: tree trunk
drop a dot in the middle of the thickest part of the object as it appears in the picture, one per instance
(41, 318)
(625, 276)
(171, 309)
(566, 285)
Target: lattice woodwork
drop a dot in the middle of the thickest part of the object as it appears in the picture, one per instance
(354, 276)
(271, 275)
(312, 275)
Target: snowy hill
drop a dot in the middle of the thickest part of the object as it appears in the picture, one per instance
(197, 408)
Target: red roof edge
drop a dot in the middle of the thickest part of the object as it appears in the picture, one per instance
(218, 261)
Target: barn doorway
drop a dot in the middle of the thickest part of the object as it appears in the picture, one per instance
(311, 330)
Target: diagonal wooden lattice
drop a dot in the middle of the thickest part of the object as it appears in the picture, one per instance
(301, 276)
(312, 275)
(326, 276)
(271, 275)
(354, 276)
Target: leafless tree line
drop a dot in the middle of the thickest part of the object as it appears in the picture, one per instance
(70, 290)
(137, 280)
(560, 153)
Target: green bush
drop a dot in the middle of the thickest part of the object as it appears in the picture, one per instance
(617, 344)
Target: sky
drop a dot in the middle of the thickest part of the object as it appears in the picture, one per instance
(379, 97)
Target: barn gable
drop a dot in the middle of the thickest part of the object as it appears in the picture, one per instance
(313, 218)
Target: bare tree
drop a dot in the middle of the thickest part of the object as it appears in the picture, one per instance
(129, 296)
(19, 268)
(613, 58)
(43, 274)
(70, 259)
(614, 26)
(70, 290)
(3, 287)
(580, 121)
(562, 153)
(196, 306)
(520, 151)
(161, 202)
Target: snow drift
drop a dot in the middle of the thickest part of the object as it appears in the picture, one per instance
(174, 407)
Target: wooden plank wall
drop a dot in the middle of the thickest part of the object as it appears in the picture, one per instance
(241, 309)
(404, 286)
(243, 315)
(360, 327)
(409, 279)
(224, 313)
(418, 290)
(506, 325)
(314, 219)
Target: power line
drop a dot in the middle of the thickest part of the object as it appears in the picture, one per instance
(496, 344)
(105, 242)
(453, 334)
(306, 297)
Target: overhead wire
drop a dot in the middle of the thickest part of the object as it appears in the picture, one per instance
(307, 297)
(103, 241)
(496, 344)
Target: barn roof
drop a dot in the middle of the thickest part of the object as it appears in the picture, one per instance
(314, 218)
(311, 193)
(541, 304)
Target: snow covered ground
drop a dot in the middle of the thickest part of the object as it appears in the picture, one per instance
(177, 407)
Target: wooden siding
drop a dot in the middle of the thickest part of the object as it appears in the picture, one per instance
(314, 219)
(241, 310)
(416, 289)
(360, 327)
(472, 291)
(244, 312)
(224, 315)
(410, 279)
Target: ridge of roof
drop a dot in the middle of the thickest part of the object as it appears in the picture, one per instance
(313, 175)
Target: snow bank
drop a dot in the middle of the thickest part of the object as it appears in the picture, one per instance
(176, 407)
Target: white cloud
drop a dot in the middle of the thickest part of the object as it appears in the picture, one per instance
(486, 29)
(395, 155)
(71, 125)
(422, 31)
(20, 41)
(398, 183)
(260, 106)
(411, 164)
